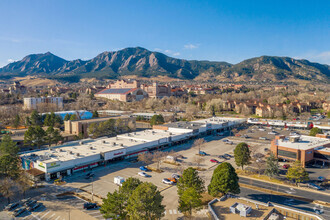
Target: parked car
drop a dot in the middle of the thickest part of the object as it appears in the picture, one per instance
(222, 157)
(321, 178)
(173, 180)
(229, 142)
(202, 153)
(143, 174)
(272, 132)
(176, 176)
(11, 206)
(89, 175)
(262, 138)
(286, 166)
(89, 205)
(262, 129)
(143, 168)
(225, 140)
(167, 181)
(19, 211)
(34, 207)
(228, 155)
(314, 186)
(31, 203)
(214, 161)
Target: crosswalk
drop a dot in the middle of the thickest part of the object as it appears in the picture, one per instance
(172, 212)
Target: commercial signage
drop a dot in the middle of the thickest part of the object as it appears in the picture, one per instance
(40, 164)
(52, 165)
(113, 154)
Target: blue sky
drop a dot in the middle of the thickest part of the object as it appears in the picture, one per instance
(205, 30)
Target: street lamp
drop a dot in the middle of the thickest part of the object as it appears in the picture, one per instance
(92, 188)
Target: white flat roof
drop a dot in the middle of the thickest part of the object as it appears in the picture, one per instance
(304, 143)
(149, 135)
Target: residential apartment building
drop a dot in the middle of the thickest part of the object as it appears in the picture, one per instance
(33, 103)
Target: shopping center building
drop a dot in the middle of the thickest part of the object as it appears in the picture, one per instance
(88, 153)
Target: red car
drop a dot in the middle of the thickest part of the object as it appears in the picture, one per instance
(286, 166)
(214, 161)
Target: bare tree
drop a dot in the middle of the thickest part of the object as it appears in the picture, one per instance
(24, 183)
(145, 157)
(7, 186)
(199, 144)
(158, 157)
(198, 160)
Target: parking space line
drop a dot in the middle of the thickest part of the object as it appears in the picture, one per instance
(51, 216)
(170, 211)
(45, 214)
(57, 217)
(36, 217)
(41, 211)
(174, 211)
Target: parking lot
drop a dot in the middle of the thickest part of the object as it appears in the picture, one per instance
(103, 180)
(69, 207)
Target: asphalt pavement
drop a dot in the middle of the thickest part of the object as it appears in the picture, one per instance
(286, 189)
(281, 200)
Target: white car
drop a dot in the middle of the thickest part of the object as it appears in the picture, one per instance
(272, 132)
(167, 181)
(143, 174)
(262, 129)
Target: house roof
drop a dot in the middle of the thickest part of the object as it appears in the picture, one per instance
(117, 91)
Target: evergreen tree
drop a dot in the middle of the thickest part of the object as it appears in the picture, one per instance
(114, 206)
(35, 118)
(9, 160)
(190, 179)
(314, 131)
(53, 136)
(272, 166)
(17, 121)
(189, 200)
(34, 136)
(157, 120)
(8, 146)
(224, 180)
(145, 203)
(242, 155)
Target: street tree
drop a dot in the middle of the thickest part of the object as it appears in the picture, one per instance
(198, 160)
(189, 179)
(114, 206)
(73, 117)
(297, 173)
(9, 165)
(34, 136)
(24, 182)
(272, 168)
(158, 157)
(145, 203)
(224, 180)
(8, 146)
(242, 155)
(189, 200)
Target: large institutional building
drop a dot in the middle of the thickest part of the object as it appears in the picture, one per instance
(303, 148)
(33, 103)
(85, 154)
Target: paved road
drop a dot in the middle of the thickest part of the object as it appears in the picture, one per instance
(286, 189)
(265, 197)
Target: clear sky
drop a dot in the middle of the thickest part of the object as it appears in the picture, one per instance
(190, 29)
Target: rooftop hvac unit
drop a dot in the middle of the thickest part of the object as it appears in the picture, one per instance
(102, 142)
(81, 142)
(114, 143)
(121, 145)
(91, 148)
(77, 154)
(70, 152)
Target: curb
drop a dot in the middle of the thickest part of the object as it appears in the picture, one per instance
(284, 194)
(296, 187)
(165, 188)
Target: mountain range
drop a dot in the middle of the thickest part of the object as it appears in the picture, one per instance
(144, 63)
